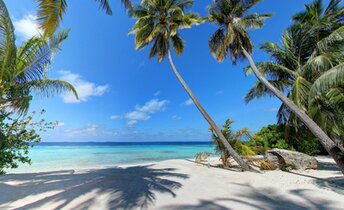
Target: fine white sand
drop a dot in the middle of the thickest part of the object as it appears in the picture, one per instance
(174, 184)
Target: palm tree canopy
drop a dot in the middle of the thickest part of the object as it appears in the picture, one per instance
(24, 69)
(308, 67)
(158, 22)
(233, 21)
(50, 12)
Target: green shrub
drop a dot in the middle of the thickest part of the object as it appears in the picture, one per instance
(17, 135)
(274, 136)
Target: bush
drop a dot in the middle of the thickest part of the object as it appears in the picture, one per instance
(271, 136)
(17, 136)
(274, 136)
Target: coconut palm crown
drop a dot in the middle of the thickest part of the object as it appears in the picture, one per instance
(308, 66)
(24, 69)
(158, 22)
(231, 36)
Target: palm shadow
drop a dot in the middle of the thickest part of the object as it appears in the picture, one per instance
(124, 188)
(250, 197)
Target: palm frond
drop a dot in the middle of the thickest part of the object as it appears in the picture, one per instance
(217, 45)
(37, 54)
(178, 44)
(7, 43)
(253, 21)
(260, 90)
(50, 87)
(335, 37)
(50, 13)
(330, 79)
(104, 4)
(299, 92)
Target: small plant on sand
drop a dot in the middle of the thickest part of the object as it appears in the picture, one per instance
(235, 139)
(202, 156)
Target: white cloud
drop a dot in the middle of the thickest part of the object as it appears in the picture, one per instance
(27, 27)
(157, 93)
(142, 113)
(176, 117)
(152, 106)
(85, 89)
(188, 102)
(115, 117)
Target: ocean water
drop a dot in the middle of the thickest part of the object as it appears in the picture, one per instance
(63, 156)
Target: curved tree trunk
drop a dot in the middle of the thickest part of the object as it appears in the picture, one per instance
(242, 163)
(326, 141)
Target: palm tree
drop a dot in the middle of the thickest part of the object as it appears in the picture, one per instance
(50, 12)
(158, 22)
(315, 85)
(24, 69)
(230, 16)
(234, 139)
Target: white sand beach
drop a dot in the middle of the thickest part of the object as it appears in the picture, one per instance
(174, 184)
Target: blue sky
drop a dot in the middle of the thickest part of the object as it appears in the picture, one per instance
(127, 97)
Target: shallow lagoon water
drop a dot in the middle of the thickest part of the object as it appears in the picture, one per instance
(63, 156)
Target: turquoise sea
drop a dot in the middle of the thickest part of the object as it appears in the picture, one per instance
(62, 155)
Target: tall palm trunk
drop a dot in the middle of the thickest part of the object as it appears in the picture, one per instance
(233, 153)
(326, 141)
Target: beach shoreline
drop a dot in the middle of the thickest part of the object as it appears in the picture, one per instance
(174, 184)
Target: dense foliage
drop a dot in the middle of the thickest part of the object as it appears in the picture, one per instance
(269, 137)
(24, 68)
(17, 135)
(24, 71)
(308, 67)
(274, 136)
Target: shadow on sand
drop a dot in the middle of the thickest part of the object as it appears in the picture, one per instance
(124, 188)
(250, 197)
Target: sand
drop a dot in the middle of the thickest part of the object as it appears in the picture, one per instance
(174, 184)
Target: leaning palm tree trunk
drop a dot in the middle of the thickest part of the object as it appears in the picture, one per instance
(233, 153)
(326, 141)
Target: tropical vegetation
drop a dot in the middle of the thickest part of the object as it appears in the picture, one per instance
(17, 136)
(235, 139)
(231, 37)
(308, 67)
(51, 12)
(275, 136)
(158, 22)
(23, 72)
(305, 71)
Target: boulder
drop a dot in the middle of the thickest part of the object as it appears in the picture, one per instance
(290, 160)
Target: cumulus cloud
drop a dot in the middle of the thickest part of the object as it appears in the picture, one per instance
(27, 27)
(142, 113)
(85, 89)
(188, 102)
